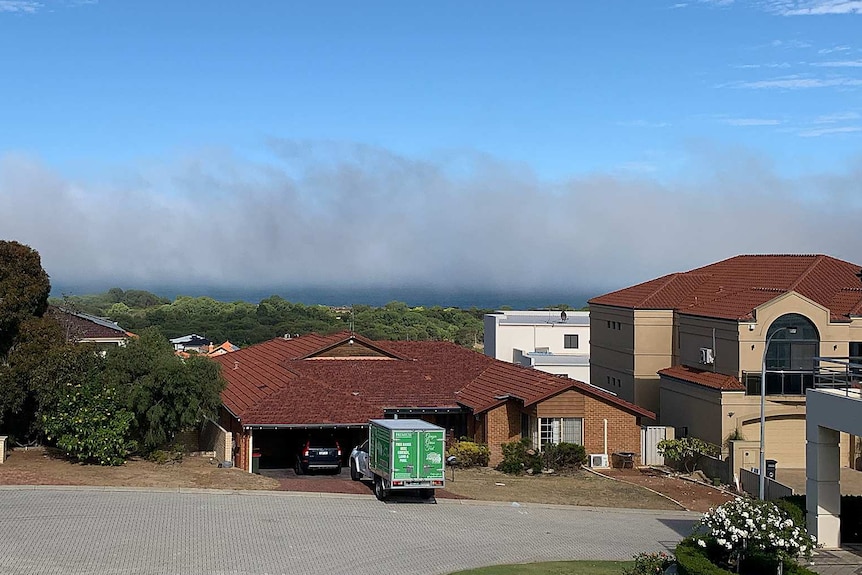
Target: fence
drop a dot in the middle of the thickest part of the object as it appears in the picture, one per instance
(214, 437)
(751, 484)
(650, 436)
(714, 467)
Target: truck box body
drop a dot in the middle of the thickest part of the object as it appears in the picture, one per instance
(407, 453)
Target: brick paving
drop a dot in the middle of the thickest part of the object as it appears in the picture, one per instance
(67, 530)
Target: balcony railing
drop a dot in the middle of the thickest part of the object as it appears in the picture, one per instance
(842, 373)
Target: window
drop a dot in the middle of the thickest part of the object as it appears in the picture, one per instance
(570, 341)
(552, 430)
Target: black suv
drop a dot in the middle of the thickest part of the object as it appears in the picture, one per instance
(318, 452)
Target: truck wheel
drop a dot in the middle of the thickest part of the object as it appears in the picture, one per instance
(297, 468)
(354, 474)
(379, 492)
(426, 494)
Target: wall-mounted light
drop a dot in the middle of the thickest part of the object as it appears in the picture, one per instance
(752, 347)
(730, 413)
(834, 347)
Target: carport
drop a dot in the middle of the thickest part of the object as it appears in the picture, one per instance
(279, 444)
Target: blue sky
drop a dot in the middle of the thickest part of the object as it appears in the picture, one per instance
(106, 99)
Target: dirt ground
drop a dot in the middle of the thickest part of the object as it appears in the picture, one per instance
(41, 466)
(693, 496)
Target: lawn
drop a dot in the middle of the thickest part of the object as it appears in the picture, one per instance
(554, 568)
(577, 488)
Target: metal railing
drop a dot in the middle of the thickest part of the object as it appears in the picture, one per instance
(839, 373)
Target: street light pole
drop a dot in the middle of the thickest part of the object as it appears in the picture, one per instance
(762, 489)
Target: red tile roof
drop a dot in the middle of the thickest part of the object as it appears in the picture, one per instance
(733, 288)
(282, 382)
(704, 378)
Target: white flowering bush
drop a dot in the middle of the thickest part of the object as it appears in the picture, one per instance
(745, 527)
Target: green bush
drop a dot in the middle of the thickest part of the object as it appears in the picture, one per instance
(649, 564)
(163, 456)
(794, 507)
(693, 560)
(519, 456)
(686, 451)
(470, 453)
(851, 514)
(89, 424)
(564, 456)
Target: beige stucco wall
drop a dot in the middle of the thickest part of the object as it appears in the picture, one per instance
(693, 406)
(721, 336)
(654, 350)
(611, 350)
(834, 337)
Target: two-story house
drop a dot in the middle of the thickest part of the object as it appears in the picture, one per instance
(689, 346)
(555, 342)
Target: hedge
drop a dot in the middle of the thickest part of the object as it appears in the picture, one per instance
(692, 560)
(851, 514)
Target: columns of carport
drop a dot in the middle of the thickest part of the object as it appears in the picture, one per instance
(827, 413)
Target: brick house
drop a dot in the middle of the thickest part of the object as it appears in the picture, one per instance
(82, 327)
(280, 390)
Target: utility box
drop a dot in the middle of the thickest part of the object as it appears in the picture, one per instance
(770, 468)
(406, 454)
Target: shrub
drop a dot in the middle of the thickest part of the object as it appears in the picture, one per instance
(163, 456)
(746, 528)
(692, 559)
(89, 424)
(519, 456)
(470, 454)
(686, 451)
(650, 564)
(564, 456)
(851, 514)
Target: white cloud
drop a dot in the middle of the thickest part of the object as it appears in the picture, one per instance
(797, 83)
(837, 117)
(817, 132)
(814, 7)
(768, 65)
(833, 50)
(839, 64)
(751, 121)
(20, 6)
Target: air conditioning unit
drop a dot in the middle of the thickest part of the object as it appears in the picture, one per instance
(706, 356)
(599, 460)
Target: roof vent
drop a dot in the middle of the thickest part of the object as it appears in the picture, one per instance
(287, 336)
(236, 365)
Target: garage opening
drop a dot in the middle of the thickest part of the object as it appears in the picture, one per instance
(279, 447)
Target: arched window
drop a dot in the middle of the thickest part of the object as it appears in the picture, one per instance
(791, 352)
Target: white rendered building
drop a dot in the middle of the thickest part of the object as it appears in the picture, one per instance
(550, 341)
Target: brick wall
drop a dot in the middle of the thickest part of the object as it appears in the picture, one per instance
(623, 429)
(502, 424)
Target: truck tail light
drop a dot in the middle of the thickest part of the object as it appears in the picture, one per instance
(305, 451)
(437, 482)
(338, 447)
(397, 483)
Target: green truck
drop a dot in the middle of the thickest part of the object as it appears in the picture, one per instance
(406, 454)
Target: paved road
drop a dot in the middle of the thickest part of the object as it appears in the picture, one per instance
(113, 531)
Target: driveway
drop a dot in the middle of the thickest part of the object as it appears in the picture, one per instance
(113, 531)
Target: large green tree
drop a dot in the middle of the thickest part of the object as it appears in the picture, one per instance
(24, 289)
(165, 393)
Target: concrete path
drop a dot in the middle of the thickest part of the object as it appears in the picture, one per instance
(62, 530)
